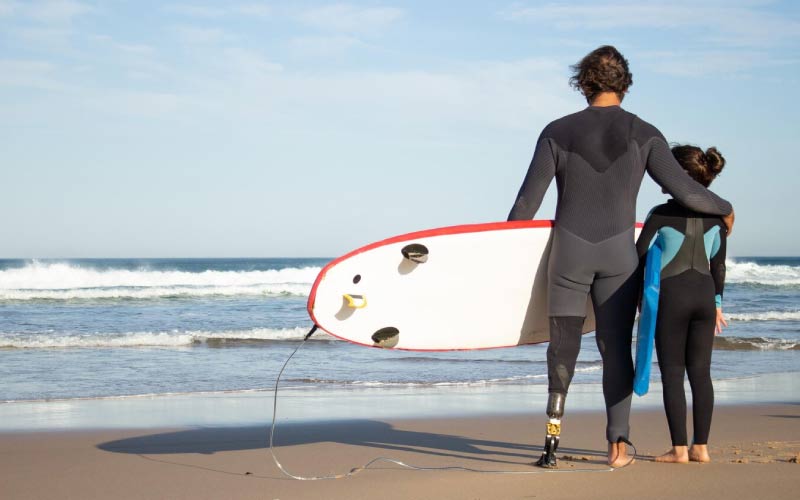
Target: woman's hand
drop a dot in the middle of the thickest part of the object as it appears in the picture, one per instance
(720, 322)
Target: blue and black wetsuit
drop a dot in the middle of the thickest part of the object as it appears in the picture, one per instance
(598, 157)
(692, 281)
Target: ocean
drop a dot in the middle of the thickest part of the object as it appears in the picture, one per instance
(116, 328)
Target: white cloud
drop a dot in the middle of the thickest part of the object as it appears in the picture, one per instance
(7, 7)
(249, 62)
(323, 45)
(50, 37)
(129, 60)
(194, 35)
(143, 66)
(736, 22)
(190, 10)
(242, 85)
(254, 9)
(135, 48)
(133, 103)
(140, 49)
(130, 48)
(351, 19)
(45, 11)
(599, 16)
(28, 73)
(55, 11)
(720, 64)
(490, 95)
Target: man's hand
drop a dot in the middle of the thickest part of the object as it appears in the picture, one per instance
(728, 220)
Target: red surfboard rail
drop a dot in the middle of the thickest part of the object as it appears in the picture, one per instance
(460, 229)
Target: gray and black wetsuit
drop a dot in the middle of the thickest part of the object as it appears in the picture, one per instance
(598, 157)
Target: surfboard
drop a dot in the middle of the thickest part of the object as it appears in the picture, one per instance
(475, 286)
(646, 335)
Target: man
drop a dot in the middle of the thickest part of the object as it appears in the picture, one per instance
(599, 156)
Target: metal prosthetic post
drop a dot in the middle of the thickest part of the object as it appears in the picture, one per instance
(555, 410)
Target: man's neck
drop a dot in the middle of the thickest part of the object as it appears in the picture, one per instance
(604, 99)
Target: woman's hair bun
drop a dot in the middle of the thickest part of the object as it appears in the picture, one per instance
(715, 162)
(703, 167)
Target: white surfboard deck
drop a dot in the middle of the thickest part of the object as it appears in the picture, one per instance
(482, 286)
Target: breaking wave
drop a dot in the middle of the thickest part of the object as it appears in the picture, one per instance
(64, 281)
(156, 339)
(754, 344)
(765, 316)
(762, 274)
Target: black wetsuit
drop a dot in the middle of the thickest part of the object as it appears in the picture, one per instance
(598, 157)
(693, 249)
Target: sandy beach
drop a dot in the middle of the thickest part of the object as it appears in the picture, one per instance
(754, 448)
(149, 389)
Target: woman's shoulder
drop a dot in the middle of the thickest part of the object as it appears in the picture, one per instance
(674, 209)
(669, 213)
(663, 209)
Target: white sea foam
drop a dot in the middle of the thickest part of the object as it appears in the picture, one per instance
(750, 272)
(463, 383)
(270, 290)
(64, 281)
(147, 395)
(765, 316)
(154, 339)
(755, 344)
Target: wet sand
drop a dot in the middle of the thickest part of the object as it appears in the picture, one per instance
(754, 450)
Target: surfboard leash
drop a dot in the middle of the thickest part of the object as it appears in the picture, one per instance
(366, 466)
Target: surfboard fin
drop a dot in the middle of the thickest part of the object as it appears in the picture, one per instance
(355, 301)
(415, 252)
(387, 337)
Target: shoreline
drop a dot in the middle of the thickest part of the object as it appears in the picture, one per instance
(752, 447)
(254, 407)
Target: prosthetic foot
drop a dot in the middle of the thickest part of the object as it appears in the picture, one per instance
(555, 410)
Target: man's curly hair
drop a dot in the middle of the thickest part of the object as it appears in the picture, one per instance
(602, 70)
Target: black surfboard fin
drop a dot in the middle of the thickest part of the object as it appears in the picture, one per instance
(415, 252)
(386, 337)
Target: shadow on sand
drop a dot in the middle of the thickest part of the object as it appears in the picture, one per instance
(365, 433)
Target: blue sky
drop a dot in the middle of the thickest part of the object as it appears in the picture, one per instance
(144, 129)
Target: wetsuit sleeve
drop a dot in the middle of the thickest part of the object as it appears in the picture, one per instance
(651, 227)
(717, 262)
(649, 230)
(666, 171)
(540, 172)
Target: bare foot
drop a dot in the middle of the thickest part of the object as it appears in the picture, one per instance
(617, 455)
(699, 453)
(677, 455)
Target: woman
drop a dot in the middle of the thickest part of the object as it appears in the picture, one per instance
(599, 156)
(689, 305)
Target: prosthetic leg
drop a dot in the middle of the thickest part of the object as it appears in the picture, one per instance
(555, 410)
(562, 353)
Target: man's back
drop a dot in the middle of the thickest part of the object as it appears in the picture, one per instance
(598, 157)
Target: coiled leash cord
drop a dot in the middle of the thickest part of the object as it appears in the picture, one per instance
(366, 466)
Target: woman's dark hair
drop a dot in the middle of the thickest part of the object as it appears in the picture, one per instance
(602, 70)
(703, 167)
